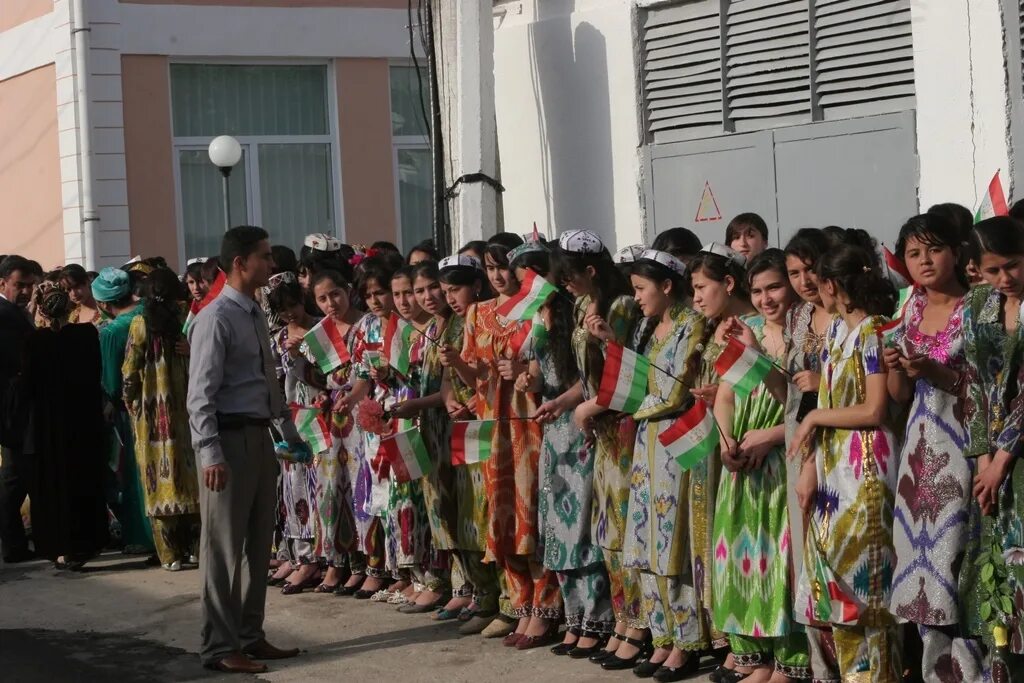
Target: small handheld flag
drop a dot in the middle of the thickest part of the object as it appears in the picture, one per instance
(994, 202)
(471, 441)
(534, 290)
(312, 427)
(398, 343)
(624, 380)
(692, 437)
(742, 366)
(327, 346)
(407, 454)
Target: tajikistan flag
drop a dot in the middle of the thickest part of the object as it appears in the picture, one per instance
(398, 343)
(312, 427)
(994, 202)
(407, 454)
(692, 437)
(471, 441)
(742, 366)
(624, 380)
(534, 290)
(327, 346)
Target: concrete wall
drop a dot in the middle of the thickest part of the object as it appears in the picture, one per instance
(149, 157)
(568, 126)
(963, 116)
(14, 12)
(30, 192)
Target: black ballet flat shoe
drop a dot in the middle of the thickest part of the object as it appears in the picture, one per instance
(599, 657)
(563, 649)
(646, 669)
(363, 594)
(670, 674)
(586, 652)
(722, 674)
(617, 663)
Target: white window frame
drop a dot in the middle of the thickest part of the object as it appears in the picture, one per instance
(401, 142)
(250, 144)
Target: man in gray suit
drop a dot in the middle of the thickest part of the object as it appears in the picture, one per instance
(233, 400)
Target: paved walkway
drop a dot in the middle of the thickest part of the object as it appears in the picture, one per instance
(120, 621)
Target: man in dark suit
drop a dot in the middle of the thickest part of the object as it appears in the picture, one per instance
(18, 277)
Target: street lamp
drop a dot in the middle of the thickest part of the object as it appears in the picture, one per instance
(225, 153)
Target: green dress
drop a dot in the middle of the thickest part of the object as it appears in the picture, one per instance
(753, 594)
(435, 426)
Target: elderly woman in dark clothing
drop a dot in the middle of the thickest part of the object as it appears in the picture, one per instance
(60, 385)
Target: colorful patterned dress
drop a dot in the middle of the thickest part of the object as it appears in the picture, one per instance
(298, 482)
(752, 584)
(564, 508)
(848, 554)
(933, 493)
(659, 520)
(994, 410)
(154, 390)
(435, 425)
(511, 472)
(613, 460)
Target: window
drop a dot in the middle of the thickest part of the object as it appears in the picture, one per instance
(714, 66)
(413, 164)
(285, 180)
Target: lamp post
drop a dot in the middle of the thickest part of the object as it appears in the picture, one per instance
(225, 153)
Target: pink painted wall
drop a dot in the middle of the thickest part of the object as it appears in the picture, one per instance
(148, 152)
(14, 12)
(367, 164)
(31, 218)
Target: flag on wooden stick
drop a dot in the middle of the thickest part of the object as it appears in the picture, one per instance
(624, 380)
(692, 437)
(994, 202)
(534, 290)
(312, 427)
(327, 346)
(471, 441)
(398, 343)
(742, 366)
(408, 455)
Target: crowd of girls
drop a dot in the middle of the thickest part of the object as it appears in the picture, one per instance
(858, 520)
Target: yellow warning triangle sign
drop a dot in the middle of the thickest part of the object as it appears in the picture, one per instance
(708, 210)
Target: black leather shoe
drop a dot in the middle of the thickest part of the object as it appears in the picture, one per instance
(363, 594)
(600, 656)
(668, 674)
(617, 663)
(646, 669)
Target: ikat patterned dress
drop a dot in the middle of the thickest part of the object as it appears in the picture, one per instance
(751, 579)
(435, 425)
(659, 522)
(511, 472)
(849, 557)
(995, 410)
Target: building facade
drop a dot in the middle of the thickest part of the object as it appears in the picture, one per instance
(321, 94)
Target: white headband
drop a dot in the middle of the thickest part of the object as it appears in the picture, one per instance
(198, 259)
(459, 261)
(629, 254)
(580, 242)
(725, 252)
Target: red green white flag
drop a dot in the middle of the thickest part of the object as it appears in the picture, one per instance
(692, 437)
(471, 441)
(407, 454)
(534, 290)
(888, 330)
(742, 366)
(994, 202)
(398, 343)
(624, 380)
(327, 346)
(312, 427)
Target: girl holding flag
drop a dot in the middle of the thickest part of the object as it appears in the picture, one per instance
(492, 353)
(753, 588)
(659, 541)
(605, 311)
(992, 592)
(343, 478)
(463, 283)
(847, 480)
(925, 356)
(566, 470)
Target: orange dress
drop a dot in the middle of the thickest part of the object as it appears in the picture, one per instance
(510, 475)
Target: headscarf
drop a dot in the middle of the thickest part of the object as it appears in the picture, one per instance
(112, 284)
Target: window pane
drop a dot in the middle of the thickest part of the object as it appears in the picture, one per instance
(415, 195)
(211, 100)
(202, 201)
(296, 194)
(406, 106)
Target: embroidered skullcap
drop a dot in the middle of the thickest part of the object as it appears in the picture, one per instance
(459, 261)
(725, 252)
(134, 259)
(629, 254)
(197, 260)
(143, 268)
(580, 242)
(319, 241)
(281, 278)
(666, 259)
(111, 284)
(523, 249)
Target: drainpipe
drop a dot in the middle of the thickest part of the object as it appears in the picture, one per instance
(90, 218)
